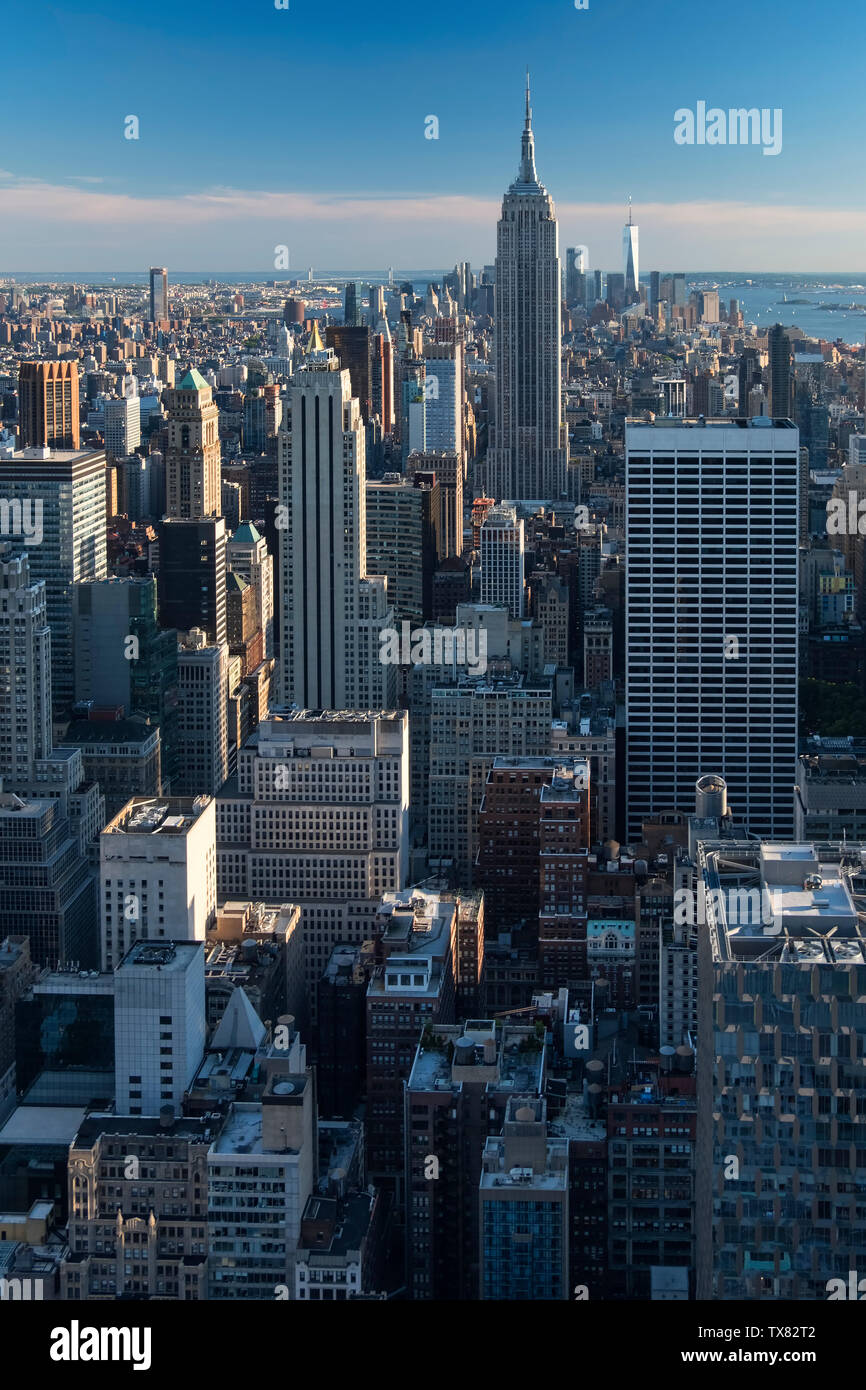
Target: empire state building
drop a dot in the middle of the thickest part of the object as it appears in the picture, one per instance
(528, 457)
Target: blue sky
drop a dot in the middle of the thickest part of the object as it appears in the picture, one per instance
(305, 127)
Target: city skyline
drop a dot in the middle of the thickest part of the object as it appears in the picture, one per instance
(433, 703)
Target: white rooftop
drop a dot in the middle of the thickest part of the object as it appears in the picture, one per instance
(42, 1124)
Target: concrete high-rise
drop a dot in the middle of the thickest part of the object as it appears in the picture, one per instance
(122, 655)
(160, 1025)
(123, 757)
(712, 604)
(192, 462)
(128, 1240)
(25, 664)
(48, 405)
(396, 543)
(448, 468)
(122, 426)
(327, 657)
(529, 453)
(157, 873)
(502, 560)
(523, 1196)
(471, 723)
(443, 397)
(53, 900)
(158, 294)
(261, 1171)
(319, 815)
(202, 730)
(781, 1072)
(56, 501)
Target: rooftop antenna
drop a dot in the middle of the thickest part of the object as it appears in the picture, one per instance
(629, 210)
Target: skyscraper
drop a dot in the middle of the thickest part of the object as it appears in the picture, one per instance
(160, 1024)
(157, 874)
(263, 1162)
(352, 344)
(60, 495)
(396, 542)
(382, 376)
(123, 657)
(47, 891)
(502, 552)
(780, 374)
(192, 465)
(575, 274)
(443, 397)
(352, 311)
(449, 475)
(202, 682)
(529, 454)
(248, 556)
(523, 1197)
(25, 670)
(459, 1092)
(192, 575)
(325, 661)
(781, 1080)
(749, 376)
(158, 294)
(48, 405)
(630, 255)
(473, 721)
(331, 834)
(122, 426)
(711, 599)
(615, 290)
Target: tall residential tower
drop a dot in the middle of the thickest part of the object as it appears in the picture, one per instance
(158, 294)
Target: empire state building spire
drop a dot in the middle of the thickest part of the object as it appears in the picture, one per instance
(527, 145)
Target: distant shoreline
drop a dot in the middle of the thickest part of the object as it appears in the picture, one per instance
(827, 279)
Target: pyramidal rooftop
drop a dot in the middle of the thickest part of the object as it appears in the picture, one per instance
(193, 381)
(240, 1025)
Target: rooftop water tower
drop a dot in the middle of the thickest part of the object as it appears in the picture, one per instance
(711, 797)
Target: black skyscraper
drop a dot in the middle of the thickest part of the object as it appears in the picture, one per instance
(192, 576)
(781, 376)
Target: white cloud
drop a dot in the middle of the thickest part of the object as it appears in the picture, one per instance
(58, 225)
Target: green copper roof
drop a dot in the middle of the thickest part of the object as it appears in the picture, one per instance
(246, 533)
(193, 381)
